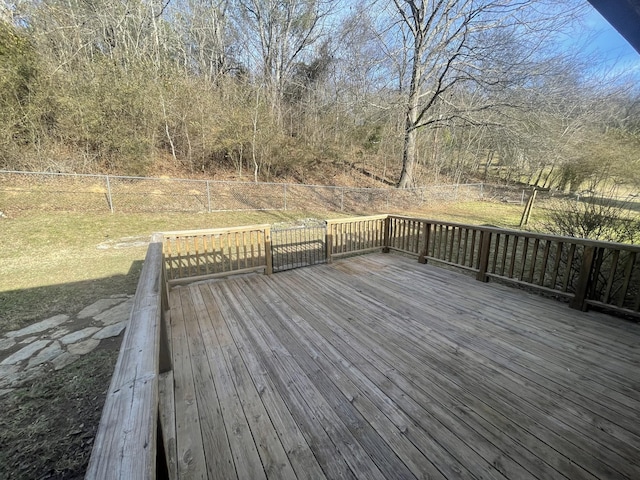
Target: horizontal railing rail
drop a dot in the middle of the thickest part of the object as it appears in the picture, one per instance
(203, 254)
(127, 440)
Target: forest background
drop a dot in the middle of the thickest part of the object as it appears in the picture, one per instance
(408, 92)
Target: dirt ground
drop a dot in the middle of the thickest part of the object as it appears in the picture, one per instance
(63, 406)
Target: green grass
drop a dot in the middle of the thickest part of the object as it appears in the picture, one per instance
(476, 213)
(52, 263)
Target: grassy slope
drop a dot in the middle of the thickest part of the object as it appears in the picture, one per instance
(51, 263)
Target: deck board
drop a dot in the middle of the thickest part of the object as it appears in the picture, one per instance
(380, 367)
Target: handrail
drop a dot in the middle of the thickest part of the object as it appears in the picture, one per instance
(487, 228)
(126, 441)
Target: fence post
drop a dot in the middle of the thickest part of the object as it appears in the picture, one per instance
(422, 258)
(208, 198)
(109, 197)
(267, 251)
(584, 280)
(387, 235)
(483, 262)
(285, 196)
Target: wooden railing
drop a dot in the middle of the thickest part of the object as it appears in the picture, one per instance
(585, 271)
(126, 441)
(202, 254)
(357, 235)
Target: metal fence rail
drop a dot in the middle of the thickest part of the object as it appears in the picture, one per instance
(298, 247)
(23, 191)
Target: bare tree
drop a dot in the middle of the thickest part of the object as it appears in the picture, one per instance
(463, 45)
(203, 28)
(278, 34)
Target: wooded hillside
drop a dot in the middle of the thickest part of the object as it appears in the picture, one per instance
(408, 92)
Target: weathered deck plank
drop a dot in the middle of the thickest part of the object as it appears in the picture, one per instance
(379, 367)
(189, 447)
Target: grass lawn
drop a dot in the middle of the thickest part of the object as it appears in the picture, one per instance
(53, 263)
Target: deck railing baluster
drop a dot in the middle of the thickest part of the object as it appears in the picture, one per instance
(525, 258)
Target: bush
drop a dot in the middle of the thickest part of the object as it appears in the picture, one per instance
(605, 218)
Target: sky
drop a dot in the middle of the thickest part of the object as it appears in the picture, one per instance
(604, 41)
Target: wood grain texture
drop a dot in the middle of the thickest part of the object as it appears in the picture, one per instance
(125, 444)
(379, 367)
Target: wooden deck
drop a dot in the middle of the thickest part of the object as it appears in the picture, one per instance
(380, 367)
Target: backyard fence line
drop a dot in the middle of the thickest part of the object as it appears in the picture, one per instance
(22, 191)
(50, 191)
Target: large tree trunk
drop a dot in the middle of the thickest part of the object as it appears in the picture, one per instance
(408, 158)
(410, 130)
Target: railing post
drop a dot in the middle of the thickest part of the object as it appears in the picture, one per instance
(387, 234)
(328, 242)
(164, 361)
(422, 258)
(584, 280)
(483, 262)
(109, 197)
(267, 251)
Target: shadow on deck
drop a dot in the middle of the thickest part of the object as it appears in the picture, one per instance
(379, 367)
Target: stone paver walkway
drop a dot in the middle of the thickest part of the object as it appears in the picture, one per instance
(59, 341)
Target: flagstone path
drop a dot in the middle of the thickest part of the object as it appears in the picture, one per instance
(56, 342)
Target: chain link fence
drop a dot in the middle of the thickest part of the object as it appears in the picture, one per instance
(24, 191)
